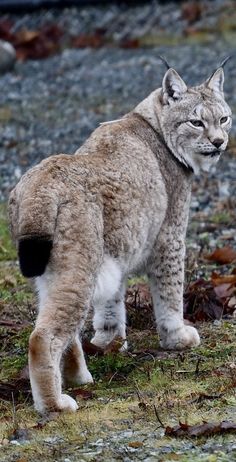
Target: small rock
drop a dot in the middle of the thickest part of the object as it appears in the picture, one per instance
(224, 189)
(5, 441)
(20, 434)
(7, 56)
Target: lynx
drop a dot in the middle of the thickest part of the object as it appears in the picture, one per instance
(82, 223)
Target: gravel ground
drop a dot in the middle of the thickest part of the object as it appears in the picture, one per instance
(51, 106)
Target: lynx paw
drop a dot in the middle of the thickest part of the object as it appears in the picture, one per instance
(185, 337)
(102, 338)
(84, 376)
(67, 404)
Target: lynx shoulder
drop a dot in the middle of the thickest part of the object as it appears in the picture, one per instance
(120, 204)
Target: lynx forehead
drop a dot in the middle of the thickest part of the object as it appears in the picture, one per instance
(119, 205)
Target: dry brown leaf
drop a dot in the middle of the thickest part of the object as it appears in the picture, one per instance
(232, 301)
(83, 41)
(205, 429)
(191, 11)
(18, 388)
(224, 290)
(25, 36)
(222, 256)
(115, 345)
(82, 393)
(218, 279)
(90, 349)
(129, 43)
(135, 444)
(201, 303)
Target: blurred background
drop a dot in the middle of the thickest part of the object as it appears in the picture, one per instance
(77, 63)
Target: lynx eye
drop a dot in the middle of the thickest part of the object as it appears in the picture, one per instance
(197, 123)
(223, 119)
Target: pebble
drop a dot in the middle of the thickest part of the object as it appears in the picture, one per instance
(7, 56)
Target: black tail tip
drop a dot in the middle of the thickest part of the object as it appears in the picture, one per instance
(34, 253)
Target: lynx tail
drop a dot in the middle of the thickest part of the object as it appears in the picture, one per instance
(33, 211)
(34, 253)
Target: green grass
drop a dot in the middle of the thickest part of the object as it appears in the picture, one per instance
(7, 250)
(192, 386)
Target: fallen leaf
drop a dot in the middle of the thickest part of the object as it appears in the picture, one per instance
(82, 393)
(192, 11)
(139, 306)
(205, 429)
(201, 303)
(6, 27)
(218, 279)
(90, 349)
(224, 290)
(37, 44)
(19, 389)
(115, 345)
(222, 256)
(25, 36)
(83, 41)
(232, 301)
(135, 444)
(129, 43)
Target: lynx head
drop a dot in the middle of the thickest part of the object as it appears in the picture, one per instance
(195, 121)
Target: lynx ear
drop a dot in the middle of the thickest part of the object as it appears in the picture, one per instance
(216, 81)
(172, 86)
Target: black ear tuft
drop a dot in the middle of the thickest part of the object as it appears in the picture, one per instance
(34, 253)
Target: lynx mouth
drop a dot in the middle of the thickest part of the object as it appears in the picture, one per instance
(214, 153)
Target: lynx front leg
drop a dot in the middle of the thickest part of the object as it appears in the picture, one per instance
(166, 281)
(110, 320)
(75, 369)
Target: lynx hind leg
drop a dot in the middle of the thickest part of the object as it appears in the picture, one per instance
(62, 308)
(45, 352)
(109, 309)
(74, 366)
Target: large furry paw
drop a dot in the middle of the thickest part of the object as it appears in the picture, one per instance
(83, 376)
(103, 338)
(78, 377)
(64, 403)
(185, 337)
(67, 404)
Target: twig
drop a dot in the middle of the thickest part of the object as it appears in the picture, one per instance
(197, 366)
(158, 417)
(14, 412)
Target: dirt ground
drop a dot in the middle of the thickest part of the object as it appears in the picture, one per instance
(137, 396)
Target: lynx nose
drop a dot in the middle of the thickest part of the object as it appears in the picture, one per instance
(217, 142)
